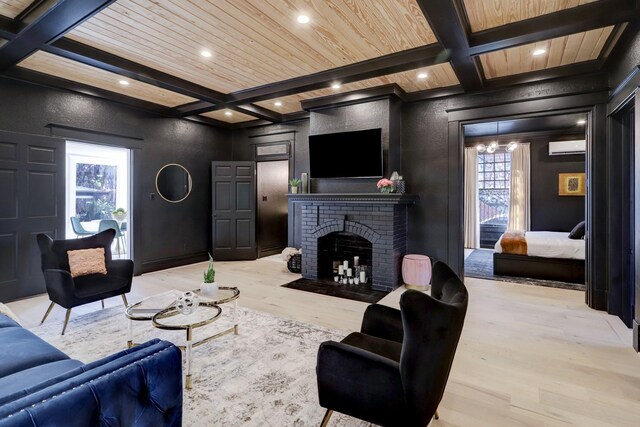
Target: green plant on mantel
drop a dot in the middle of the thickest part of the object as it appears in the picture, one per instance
(210, 274)
(294, 182)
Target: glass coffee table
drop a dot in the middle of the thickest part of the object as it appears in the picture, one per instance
(161, 312)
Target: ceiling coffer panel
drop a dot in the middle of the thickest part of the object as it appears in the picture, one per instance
(229, 116)
(560, 51)
(437, 76)
(485, 14)
(12, 8)
(253, 43)
(57, 66)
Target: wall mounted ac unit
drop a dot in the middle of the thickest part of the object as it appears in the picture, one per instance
(561, 148)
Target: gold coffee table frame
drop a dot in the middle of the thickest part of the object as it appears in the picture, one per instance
(207, 302)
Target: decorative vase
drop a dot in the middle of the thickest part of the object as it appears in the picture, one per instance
(187, 303)
(209, 289)
(119, 216)
(294, 190)
(304, 178)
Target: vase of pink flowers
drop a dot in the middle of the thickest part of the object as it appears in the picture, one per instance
(386, 186)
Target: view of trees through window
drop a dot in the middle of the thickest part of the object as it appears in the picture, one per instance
(494, 177)
(95, 191)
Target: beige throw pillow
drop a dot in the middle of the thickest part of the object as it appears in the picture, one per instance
(87, 261)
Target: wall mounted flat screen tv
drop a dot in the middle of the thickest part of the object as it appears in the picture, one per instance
(355, 154)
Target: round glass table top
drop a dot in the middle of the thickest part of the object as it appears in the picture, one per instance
(223, 295)
(171, 318)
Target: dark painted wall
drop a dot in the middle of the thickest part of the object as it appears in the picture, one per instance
(166, 234)
(549, 211)
(626, 56)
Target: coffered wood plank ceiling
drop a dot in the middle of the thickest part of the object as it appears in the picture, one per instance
(253, 43)
(441, 75)
(260, 59)
(484, 14)
(559, 51)
(65, 68)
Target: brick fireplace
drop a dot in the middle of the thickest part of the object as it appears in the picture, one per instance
(339, 226)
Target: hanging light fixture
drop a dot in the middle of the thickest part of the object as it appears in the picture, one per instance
(512, 146)
(481, 148)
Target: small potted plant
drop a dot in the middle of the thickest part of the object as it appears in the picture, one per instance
(119, 214)
(294, 183)
(209, 285)
(386, 185)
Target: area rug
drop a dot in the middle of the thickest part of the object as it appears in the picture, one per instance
(479, 264)
(360, 293)
(265, 376)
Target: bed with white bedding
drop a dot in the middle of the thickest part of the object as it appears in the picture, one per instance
(551, 244)
(549, 255)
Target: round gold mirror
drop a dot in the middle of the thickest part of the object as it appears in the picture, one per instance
(173, 183)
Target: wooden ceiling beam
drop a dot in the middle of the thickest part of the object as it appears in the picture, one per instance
(52, 24)
(259, 112)
(106, 61)
(578, 19)
(447, 23)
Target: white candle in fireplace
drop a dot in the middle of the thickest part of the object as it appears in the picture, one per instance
(346, 264)
(340, 270)
(356, 261)
(362, 277)
(349, 272)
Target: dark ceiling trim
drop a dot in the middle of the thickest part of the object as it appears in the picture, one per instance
(47, 80)
(354, 97)
(434, 93)
(447, 23)
(259, 112)
(585, 67)
(578, 19)
(394, 63)
(210, 121)
(106, 61)
(27, 13)
(54, 23)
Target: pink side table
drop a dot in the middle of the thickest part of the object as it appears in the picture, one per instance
(416, 272)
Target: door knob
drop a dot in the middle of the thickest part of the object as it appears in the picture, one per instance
(264, 198)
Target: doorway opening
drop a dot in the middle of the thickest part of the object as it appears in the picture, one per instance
(98, 193)
(272, 215)
(525, 192)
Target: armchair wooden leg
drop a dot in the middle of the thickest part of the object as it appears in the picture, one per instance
(325, 420)
(48, 311)
(66, 320)
(124, 299)
(102, 301)
(436, 415)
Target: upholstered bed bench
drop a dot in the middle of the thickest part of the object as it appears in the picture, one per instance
(42, 386)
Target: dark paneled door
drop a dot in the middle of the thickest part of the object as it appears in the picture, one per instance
(272, 206)
(31, 202)
(233, 210)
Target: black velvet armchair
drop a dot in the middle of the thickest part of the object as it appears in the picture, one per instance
(70, 292)
(394, 372)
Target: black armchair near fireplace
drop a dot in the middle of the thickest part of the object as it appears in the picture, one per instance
(394, 371)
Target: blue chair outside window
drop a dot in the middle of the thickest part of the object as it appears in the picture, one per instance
(107, 224)
(78, 229)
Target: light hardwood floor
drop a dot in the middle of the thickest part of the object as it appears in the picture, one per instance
(528, 356)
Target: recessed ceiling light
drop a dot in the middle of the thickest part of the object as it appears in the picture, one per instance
(422, 76)
(278, 104)
(228, 113)
(335, 86)
(124, 82)
(581, 122)
(303, 19)
(205, 53)
(539, 52)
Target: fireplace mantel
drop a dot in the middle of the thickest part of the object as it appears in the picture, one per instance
(369, 198)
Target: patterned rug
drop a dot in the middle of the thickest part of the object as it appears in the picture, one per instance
(265, 376)
(479, 264)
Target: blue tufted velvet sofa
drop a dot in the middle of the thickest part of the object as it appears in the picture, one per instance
(40, 386)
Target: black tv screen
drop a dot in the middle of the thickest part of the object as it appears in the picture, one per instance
(355, 154)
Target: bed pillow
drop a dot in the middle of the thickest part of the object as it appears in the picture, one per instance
(87, 261)
(578, 231)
